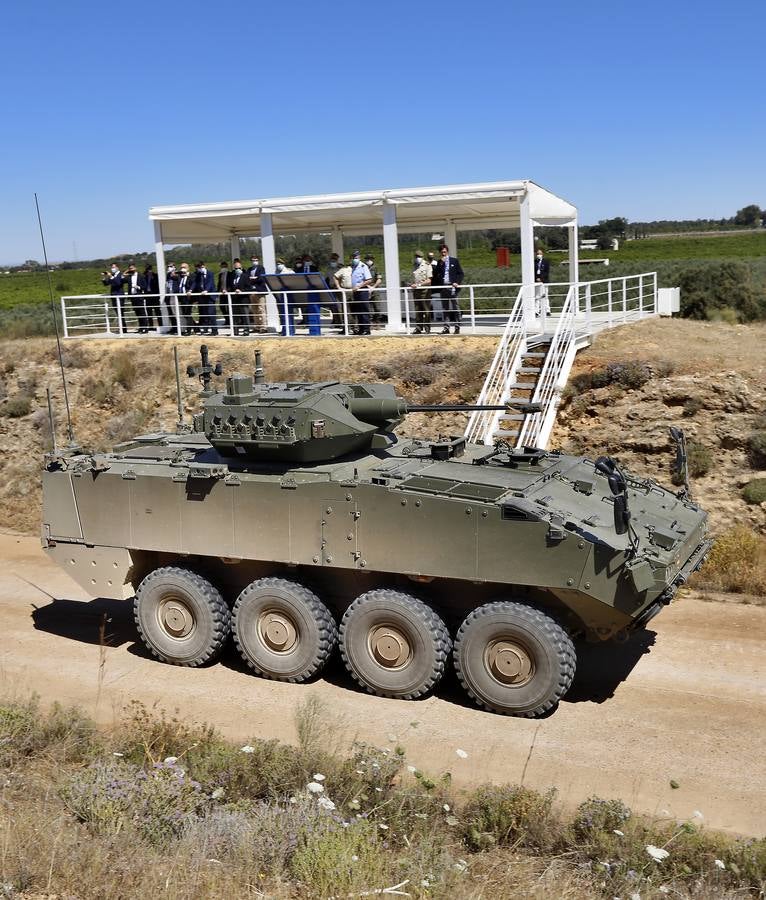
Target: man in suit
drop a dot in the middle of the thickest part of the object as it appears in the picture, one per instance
(447, 278)
(223, 298)
(171, 289)
(203, 284)
(237, 289)
(257, 285)
(136, 289)
(116, 283)
(186, 301)
(152, 290)
(542, 275)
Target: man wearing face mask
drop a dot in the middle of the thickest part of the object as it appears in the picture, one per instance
(223, 297)
(361, 279)
(542, 275)
(116, 281)
(447, 277)
(377, 304)
(171, 289)
(333, 300)
(185, 300)
(258, 296)
(136, 286)
(237, 286)
(421, 276)
(203, 284)
(152, 290)
(286, 301)
(437, 309)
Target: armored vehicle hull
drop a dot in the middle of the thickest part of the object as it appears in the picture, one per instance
(402, 555)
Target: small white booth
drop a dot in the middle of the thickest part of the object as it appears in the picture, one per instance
(448, 209)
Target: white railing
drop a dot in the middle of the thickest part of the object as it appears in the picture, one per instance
(502, 372)
(537, 426)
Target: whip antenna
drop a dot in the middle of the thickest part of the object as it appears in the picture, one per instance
(69, 432)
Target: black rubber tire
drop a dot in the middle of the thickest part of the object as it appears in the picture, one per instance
(425, 632)
(545, 642)
(183, 594)
(316, 633)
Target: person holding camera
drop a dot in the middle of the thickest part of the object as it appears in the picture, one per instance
(116, 283)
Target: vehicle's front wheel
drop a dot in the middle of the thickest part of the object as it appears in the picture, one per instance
(393, 644)
(514, 659)
(181, 617)
(283, 630)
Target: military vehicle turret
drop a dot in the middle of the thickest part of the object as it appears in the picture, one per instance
(289, 516)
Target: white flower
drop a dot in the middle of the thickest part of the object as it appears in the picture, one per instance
(697, 814)
(376, 765)
(315, 787)
(293, 799)
(411, 770)
(446, 807)
(117, 753)
(359, 771)
(460, 866)
(354, 804)
(619, 833)
(383, 826)
(355, 858)
(319, 777)
(171, 760)
(719, 863)
(461, 753)
(247, 749)
(326, 803)
(663, 889)
(635, 896)
(217, 793)
(657, 853)
(425, 883)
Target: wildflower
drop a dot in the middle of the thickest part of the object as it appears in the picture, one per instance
(446, 807)
(117, 753)
(425, 883)
(657, 853)
(293, 800)
(379, 790)
(460, 866)
(355, 858)
(411, 770)
(619, 833)
(319, 777)
(353, 804)
(315, 787)
(719, 863)
(217, 793)
(326, 803)
(171, 760)
(461, 753)
(247, 749)
(376, 765)
(635, 896)
(359, 771)
(663, 889)
(383, 826)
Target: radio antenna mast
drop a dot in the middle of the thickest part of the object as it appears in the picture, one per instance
(69, 432)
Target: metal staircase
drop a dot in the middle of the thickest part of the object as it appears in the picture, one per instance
(528, 373)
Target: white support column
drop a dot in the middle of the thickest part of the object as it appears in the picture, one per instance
(268, 251)
(391, 263)
(450, 237)
(527, 260)
(234, 246)
(336, 241)
(159, 249)
(574, 253)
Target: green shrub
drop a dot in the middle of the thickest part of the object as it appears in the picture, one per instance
(737, 563)
(595, 814)
(754, 491)
(510, 815)
(629, 374)
(720, 289)
(699, 461)
(756, 449)
(16, 407)
(26, 731)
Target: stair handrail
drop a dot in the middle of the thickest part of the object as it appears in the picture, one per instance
(495, 390)
(547, 390)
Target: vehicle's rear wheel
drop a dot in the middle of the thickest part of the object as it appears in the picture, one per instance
(283, 630)
(181, 616)
(393, 644)
(514, 659)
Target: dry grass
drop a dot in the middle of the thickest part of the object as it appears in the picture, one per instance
(737, 563)
(163, 808)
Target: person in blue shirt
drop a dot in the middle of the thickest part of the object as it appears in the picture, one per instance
(361, 279)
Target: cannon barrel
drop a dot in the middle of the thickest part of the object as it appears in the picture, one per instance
(382, 410)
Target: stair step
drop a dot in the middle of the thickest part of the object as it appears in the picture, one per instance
(521, 387)
(536, 355)
(526, 370)
(512, 417)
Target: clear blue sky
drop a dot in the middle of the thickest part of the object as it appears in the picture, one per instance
(646, 109)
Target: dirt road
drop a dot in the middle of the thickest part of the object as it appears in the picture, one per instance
(684, 702)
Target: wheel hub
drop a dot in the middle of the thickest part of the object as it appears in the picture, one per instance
(390, 647)
(176, 618)
(277, 631)
(509, 662)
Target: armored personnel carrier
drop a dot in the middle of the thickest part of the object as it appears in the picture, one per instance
(289, 516)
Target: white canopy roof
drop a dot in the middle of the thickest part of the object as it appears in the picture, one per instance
(466, 206)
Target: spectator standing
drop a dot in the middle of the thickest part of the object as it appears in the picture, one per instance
(310, 302)
(360, 283)
(136, 289)
(447, 278)
(171, 290)
(333, 300)
(186, 301)
(116, 283)
(203, 284)
(257, 285)
(542, 276)
(421, 276)
(286, 302)
(223, 297)
(437, 308)
(377, 305)
(237, 286)
(152, 286)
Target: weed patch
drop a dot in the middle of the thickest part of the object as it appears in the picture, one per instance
(737, 563)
